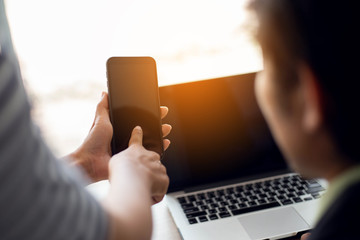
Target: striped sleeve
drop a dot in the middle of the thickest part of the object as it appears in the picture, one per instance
(40, 198)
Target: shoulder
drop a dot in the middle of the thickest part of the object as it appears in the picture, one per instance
(340, 221)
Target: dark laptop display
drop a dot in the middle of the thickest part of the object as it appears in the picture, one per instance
(219, 133)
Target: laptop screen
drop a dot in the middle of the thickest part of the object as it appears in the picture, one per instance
(219, 133)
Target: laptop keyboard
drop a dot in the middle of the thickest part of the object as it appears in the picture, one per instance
(239, 199)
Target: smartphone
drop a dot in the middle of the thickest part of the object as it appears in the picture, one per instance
(134, 101)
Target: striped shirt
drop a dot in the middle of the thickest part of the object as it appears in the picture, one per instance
(40, 197)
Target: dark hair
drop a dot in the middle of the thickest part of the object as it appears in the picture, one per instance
(322, 33)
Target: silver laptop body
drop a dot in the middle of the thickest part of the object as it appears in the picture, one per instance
(228, 179)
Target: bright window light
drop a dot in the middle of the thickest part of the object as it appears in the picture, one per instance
(63, 45)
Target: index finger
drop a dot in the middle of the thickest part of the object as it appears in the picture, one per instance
(136, 136)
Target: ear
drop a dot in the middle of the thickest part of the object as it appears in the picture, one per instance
(313, 114)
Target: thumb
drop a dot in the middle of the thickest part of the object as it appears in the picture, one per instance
(102, 110)
(103, 106)
(136, 136)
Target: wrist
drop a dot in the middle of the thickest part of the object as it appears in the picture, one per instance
(81, 160)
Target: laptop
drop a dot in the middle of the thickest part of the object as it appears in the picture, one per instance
(228, 179)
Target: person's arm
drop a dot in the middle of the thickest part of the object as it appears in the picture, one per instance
(138, 180)
(40, 198)
(137, 177)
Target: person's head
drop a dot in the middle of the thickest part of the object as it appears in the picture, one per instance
(308, 90)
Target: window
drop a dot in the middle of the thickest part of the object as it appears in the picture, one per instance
(63, 45)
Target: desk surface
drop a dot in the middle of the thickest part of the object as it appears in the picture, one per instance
(164, 227)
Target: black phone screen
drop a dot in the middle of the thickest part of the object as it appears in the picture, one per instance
(134, 101)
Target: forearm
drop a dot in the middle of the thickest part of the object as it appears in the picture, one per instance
(129, 210)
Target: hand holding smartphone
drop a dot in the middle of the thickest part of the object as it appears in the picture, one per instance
(134, 101)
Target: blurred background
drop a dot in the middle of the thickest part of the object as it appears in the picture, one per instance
(63, 45)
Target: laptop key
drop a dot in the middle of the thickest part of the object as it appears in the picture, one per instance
(262, 195)
(239, 188)
(248, 193)
(272, 194)
(300, 188)
(224, 214)
(222, 209)
(214, 205)
(213, 217)
(207, 201)
(181, 200)
(212, 211)
(315, 189)
(191, 198)
(297, 199)
(255, 208)
(199, 203)
(286, 202)
(252, 203)
(203, 219)
(312, 183)
(201, 195)
(229, 190)
(257, 191)
(229, 197)
(281, 192)
(243, 199)
(211, 194)
(196, 214)
(281, 197)
(238, 195)
(187, 205)
(192, 220)
(242, 205)
(220, 192)
(290, 195)
(300, 193)
(204, 207)
(253, 197)
(190, 210)
(233, 207)
(315, 195)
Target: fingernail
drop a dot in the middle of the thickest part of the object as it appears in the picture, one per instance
(138, 128)
(102, 94)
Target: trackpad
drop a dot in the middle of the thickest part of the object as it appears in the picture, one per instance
(277, 223)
